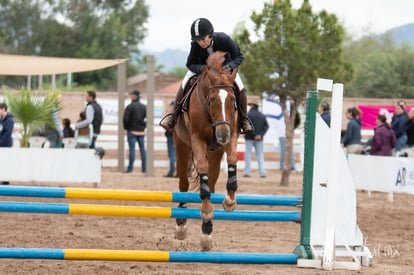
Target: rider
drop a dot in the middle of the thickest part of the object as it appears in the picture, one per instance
(205, 41)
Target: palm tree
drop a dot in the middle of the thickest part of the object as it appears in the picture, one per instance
(33, 110)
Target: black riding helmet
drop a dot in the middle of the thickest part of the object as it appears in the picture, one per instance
(200, 28)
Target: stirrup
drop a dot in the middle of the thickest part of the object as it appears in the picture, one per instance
(246, 127)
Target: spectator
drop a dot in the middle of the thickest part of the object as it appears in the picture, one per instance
(170, 146)
(67, 129)
(384, 139)
(324, 111)
(84, 135)
(281, 134)
(398, 123)
(94, 115)
(255, 139)
(352, 138)
(409, 128)
(6, 129)
(135, 117)
(54, 134)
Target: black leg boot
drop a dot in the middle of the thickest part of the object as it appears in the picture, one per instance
(245, 124)
(169, 120)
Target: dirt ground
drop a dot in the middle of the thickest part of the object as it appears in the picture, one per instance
(387, 227)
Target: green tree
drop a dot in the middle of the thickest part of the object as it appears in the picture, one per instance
(104, 29)
(294, 48)
(383, 70)
(82, 29)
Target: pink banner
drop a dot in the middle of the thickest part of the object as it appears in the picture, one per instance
(370, 114)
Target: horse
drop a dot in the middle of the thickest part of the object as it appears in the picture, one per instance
(207, 130)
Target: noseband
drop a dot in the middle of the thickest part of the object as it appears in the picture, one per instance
(207, 104)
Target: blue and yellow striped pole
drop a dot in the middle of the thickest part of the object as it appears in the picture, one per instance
(136, 195)
(146, 212)
(147, 256)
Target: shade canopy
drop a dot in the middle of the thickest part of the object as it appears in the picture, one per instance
(37, 65)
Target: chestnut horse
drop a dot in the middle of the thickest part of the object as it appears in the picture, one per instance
(202, 135)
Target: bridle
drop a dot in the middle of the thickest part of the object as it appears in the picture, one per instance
(207, 101)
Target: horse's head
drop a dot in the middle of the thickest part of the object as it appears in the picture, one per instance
(218, 88)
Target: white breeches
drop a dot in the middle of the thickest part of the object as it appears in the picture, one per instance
(189, 74)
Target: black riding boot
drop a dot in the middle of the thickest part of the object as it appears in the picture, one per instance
(245, 124)
(169, 120)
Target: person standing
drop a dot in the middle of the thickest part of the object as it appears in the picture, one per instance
(399, 120)
(384, 139)
(135, 122)
(352, 138)
(409, 128)
(324, 111)
(6, 129)
(170, 146)
(255, 139)
(94, 115)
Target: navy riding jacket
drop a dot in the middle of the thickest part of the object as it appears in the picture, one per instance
(197, 58)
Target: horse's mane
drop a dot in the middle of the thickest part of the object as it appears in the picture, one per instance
(215, 61)
(215, 64)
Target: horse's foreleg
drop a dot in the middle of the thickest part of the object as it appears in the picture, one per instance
(207, 214)
(206, 206)
(229, 203)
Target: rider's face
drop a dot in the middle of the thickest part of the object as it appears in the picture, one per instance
(205, 41)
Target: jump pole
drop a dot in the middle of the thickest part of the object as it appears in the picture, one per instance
(137, 195)
(147, 256)
(145, 212)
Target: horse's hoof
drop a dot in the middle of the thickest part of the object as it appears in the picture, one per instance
(207, 215)
(229, 204)
(180, 232)
(206, 242)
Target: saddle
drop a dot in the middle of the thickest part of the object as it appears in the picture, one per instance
(187, 92)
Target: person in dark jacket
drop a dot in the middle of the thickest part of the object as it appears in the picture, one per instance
(324, 111)
(68, 132)
(255, 139)
(94, 115)
(135, 123)
(6, 129)
(352, 138)
(6, 126)
(398, 126)
(409, 128)
(204, 41)
(384, 138)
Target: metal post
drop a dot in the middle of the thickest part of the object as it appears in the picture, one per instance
(304, 250)
(150, 114)
(121, 105)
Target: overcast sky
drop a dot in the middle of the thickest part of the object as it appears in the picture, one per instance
(169, 21)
